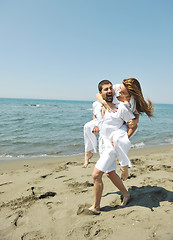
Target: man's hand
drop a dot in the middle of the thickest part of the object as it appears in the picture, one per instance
(132, 123)
(95, 130)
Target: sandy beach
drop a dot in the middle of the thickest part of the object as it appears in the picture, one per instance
(47, 199)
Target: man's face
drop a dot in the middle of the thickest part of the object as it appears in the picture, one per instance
(107, 92)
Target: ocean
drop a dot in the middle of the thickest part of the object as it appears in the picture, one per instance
(32, 128)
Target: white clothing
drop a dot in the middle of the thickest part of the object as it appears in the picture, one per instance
(90, 139)
(111, 121)
(106, 162)
(109, 125)
(121, 141)
(122, 146)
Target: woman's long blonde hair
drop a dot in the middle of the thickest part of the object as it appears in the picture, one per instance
(134, 89)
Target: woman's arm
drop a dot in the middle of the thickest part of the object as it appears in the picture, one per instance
(105, 104)
(131, 131)
(133, 123)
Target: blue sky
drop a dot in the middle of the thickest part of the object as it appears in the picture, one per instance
(54, 49)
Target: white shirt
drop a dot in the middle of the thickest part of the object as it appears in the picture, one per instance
(111, 121)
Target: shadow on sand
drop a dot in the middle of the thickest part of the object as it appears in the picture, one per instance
(146, 196)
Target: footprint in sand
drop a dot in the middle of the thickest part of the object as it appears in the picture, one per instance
(27, 201)
(137, 161)
(18, 203)
(32, 235)
(166, 168)
(61, 168)
(90, 230)
(51, 205)
(80, 187)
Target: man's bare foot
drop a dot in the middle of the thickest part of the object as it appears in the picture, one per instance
(125, 200)
(88, 155)
(95, 211)
(124, 174)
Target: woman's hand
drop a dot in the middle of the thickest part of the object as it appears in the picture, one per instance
(132, 123)
(110, 107)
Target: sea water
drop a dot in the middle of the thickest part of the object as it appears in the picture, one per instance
(36, 128)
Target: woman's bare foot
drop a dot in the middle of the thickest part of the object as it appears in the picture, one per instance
(125, 200)
(88, 155)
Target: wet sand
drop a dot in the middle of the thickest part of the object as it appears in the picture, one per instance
(47, 198)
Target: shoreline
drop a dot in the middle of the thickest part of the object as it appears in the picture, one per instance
(46, 198)
(62, 159)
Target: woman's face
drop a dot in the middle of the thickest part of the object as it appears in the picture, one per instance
(123, 91)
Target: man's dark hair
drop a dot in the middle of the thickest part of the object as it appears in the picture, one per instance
(102, 83)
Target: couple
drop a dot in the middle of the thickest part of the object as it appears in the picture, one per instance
(116, 107)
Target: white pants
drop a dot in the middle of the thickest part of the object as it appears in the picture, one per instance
(120, 140)
(109, 153)
(90, 139)
(122, 145)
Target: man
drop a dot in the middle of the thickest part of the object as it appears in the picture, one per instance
(108, 123)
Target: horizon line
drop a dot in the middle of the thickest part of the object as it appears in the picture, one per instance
(54, 99)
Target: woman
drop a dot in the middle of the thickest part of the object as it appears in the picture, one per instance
(130, 93)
